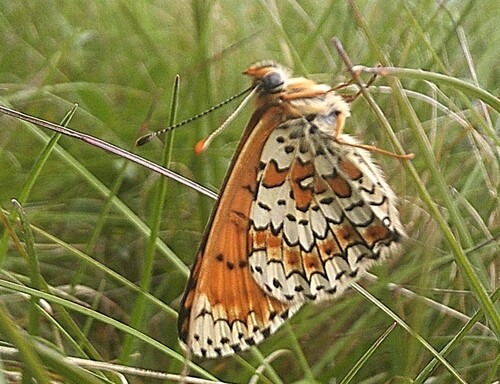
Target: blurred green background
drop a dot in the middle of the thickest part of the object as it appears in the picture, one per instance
(117, 59)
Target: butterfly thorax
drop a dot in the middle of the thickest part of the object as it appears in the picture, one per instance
(296, 97)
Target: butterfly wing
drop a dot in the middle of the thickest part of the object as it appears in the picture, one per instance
(323, 212)
(300, 217)
(223, 309)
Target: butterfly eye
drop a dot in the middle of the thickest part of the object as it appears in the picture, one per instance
(273, 82)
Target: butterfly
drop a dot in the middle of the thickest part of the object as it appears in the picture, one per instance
(303, 212)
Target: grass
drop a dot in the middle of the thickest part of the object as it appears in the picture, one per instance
(111, 290)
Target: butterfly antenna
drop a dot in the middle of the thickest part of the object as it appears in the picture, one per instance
(147, 138)
(204, 143)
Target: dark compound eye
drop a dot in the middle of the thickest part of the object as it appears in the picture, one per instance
(273, 81)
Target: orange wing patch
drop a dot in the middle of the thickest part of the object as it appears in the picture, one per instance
(273, 177)
(339, 185)
(350, 169)
(302, 176)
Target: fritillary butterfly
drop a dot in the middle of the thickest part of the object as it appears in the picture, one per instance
(303, 212)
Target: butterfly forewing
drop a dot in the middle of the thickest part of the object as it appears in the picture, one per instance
(224, 310)
(300, 217)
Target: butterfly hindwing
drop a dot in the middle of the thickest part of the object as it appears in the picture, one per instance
(323, 213)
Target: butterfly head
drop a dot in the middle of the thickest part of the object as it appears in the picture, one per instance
(269, 76)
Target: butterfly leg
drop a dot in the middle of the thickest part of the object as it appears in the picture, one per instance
(307, 94)
(339, 127)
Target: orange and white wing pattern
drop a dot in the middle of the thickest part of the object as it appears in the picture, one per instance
(322, 214)
(302, 213)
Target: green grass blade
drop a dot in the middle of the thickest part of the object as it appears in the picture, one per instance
(454, 343)
(100, 317)
(32, 363)
(408, 329)
(139, 313)
(363, 359)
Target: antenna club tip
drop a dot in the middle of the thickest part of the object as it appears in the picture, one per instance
(143, 140)
(200, 146)
(409, 156)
